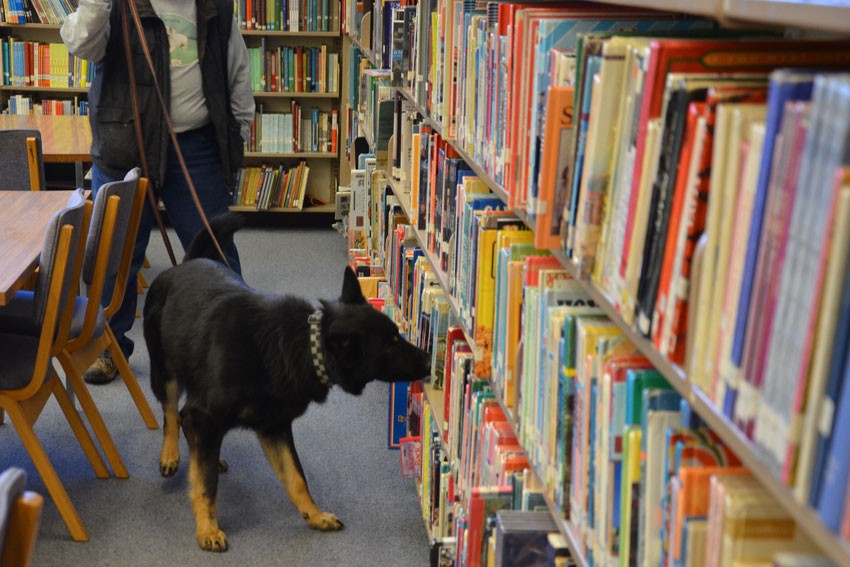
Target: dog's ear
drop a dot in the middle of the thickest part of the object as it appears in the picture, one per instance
(351, 292)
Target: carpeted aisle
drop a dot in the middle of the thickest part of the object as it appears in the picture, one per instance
(147, 520)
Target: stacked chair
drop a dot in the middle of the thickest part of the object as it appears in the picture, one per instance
(92, 242)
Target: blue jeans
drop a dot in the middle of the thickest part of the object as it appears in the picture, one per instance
(202, 161)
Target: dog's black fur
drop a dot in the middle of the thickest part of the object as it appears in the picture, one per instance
(242, 358)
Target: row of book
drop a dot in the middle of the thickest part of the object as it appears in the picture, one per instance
(494, 524)
(293, 69)
(38, 64)
(294, 131)
(267, 187)
(287, 15)
(716, 229)
(661, 141)
(637, 475)
(36, 11)
(24, 104)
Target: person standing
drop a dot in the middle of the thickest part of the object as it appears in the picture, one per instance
(201, 63)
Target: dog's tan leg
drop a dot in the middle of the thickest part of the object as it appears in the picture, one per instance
(169, 459)
(204, 447)
(209, 536)
(281, 454)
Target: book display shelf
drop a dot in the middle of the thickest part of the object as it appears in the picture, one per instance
(292, 160)
(625, 242)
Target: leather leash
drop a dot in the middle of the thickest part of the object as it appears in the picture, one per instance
(140, 138)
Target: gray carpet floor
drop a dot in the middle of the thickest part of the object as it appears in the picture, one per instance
(147, 520)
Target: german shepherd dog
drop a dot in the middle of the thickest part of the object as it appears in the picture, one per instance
(249, 359)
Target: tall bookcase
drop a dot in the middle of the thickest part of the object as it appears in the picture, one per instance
(794, 19)
(322, 37)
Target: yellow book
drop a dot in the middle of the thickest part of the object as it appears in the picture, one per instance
(755, 527)
(590, 334)
(630, 495)
(489, 225)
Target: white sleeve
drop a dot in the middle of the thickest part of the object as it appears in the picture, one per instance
(86, 31)
(239, 80)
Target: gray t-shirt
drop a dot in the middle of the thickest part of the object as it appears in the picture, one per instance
(188, 104)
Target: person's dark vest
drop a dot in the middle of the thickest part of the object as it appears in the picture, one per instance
(114, 146)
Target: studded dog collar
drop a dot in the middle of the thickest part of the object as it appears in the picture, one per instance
(316, 350)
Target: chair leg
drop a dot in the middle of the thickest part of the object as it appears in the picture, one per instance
(146, 263)
(82, 434)
(48, 474)
(142, 281)
(75, 380)
(130, 381)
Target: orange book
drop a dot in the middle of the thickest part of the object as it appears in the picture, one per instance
(554, 169)
(693, 499)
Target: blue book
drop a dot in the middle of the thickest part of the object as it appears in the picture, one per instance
(785, 85)
(594, 62)
(833, 391)
(6, 65)
(833, 485)
(591, 458)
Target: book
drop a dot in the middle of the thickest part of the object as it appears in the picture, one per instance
(797, 297)
(555, 171)
(522, 537)
(799, 466)
(695, 55)
(724, 380)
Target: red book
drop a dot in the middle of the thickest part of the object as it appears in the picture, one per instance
(483, 503)
(455, 343)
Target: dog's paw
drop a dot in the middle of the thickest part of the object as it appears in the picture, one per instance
(212, 540)
(325, 521)
(223, 466)
(168, 467)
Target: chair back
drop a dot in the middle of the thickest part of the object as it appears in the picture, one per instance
(74, 214)
(22, 166)
(20, 515)
(125, 241)
(98, 241)
(111, 236)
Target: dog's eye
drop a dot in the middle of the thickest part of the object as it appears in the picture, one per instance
(395, 339)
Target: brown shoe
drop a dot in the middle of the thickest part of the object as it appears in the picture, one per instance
(102, 371)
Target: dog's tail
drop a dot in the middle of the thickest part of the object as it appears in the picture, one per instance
(223, 226)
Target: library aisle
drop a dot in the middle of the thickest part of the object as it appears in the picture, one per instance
(623, 230)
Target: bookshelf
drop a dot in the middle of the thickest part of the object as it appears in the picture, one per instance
(796, 19)
(319, 38)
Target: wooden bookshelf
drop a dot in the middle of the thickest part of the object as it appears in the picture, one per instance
(324, 175)
(292, 155)
(822, 15)
(250, 209)
(45, 90)
(294, 94)
(290, 34)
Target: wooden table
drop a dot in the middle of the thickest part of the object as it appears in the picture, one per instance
(23, 222)
(64, 139)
